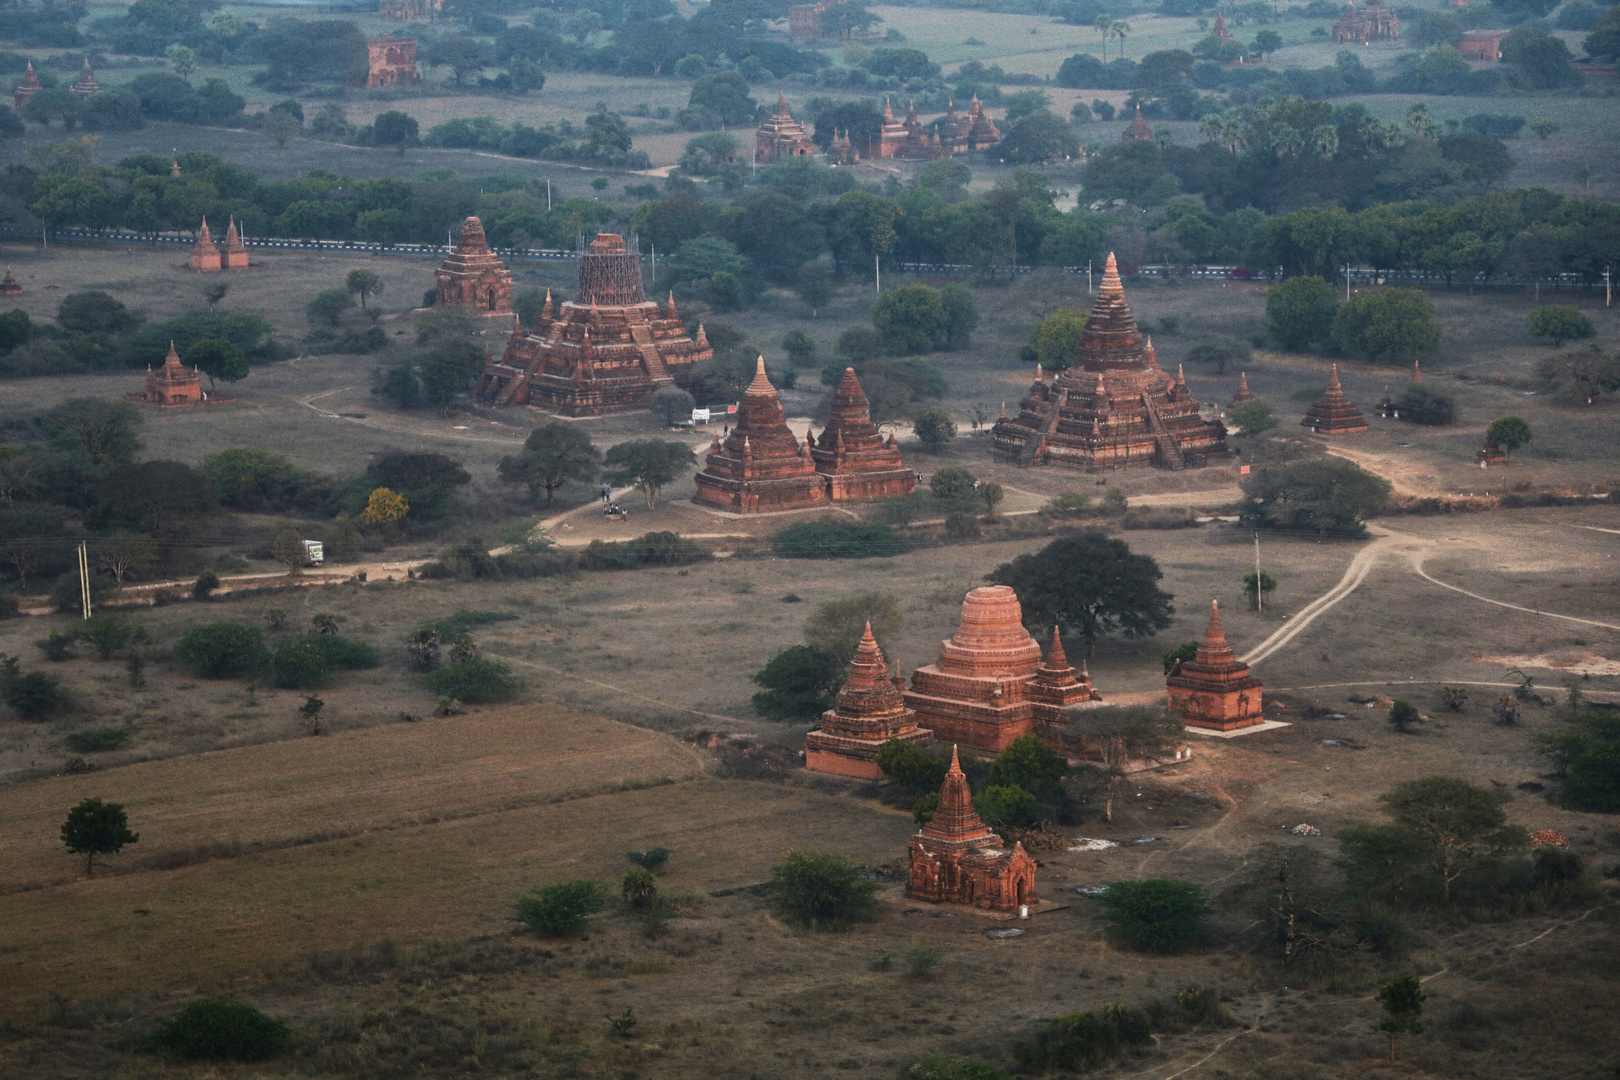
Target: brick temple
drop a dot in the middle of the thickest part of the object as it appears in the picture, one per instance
(1334, 414)
(781, 136)
(1115, 409)
(9, 286)
(1214, 689)
(857, 463)
(990, 685)
(205, 254)
(956, 859)
(762, 466)
(87, 84)
(1243, 392)
(1375, 22)
(27, 88)
(1136, 131)
(391, 61)
(472, 277)
(172, 384)
(869, 711)
(608, 350)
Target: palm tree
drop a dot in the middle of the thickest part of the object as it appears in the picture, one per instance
(1325, 141)
(1120, 29)
(1417, 118)
(1102, 25)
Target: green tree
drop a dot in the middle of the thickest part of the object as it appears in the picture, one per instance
(1587, 757)
(647, 465)
(364, 283)
(96, 828)
(15, 329)
(800, 348)
(1220, 353)
(1155, 914)
(1423, 404)
(798, 684)
(1508, 432)
(287, 548)
(1403, 715)
(724, 97)
(1267, 42)
(911, 768)
(475, 681)
(836, 626)
(1253, 416)
(952, 484)
(1007, 807)
(222, 1027)
(554, 455)
(1030, 765)
(1327, 495)
(1120, 736)
(1561, 323)
(111, 631)
(1301, 311)
(328, 306)
(1057, 338)
(910, 319)
(1458, 824)
(394, 128)
(1091, 585)
(1256, 584)
(96, 313)
(822, 890)
(560, 909)
(991, 494)
(945, 1067)
(34, 695)
(1388, 322)
(934, 427)
(101, 432)
(1402, 1002)
(1603, 43)
(961, 315)
(222, 650)
(218, 359)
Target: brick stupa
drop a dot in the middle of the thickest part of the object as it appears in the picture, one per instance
(1137, 130)
(1214, 689)
(1334, 414)
(868, 713)
(27, 88)
(472, 277)
(857, 463)
(235, 254)
(205, 256)
(9, 286)
(172, 384)
(87, 84)
(956, 859)
(1243, 392)
(990, 685)
(1115, 409)
(781, 136)
(608, 350)
(762, 466)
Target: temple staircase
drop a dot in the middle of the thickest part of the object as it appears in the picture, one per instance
(656, 371)
(1168, 450)
(509, 388)
(1033, 445)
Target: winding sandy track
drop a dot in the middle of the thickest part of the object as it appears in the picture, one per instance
(1354, 575)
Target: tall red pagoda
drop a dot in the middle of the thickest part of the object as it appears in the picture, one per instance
(957, 859)
(472, 277)
(869, 712)
(852, 456)
(1334, 414)
(1214, 689)
(762, 466)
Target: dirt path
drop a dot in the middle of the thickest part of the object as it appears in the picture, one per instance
(405, 429)
(1354, 575)
(1417, 568)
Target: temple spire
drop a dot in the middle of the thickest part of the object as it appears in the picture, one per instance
(761, 384)
(1417, 372)
(1055, 656)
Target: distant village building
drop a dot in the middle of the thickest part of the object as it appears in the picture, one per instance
(27, 89)
(172, 385)
(781, 136)
(391, 61)
(1214, 689)
(1137, 130)
(804, 20)
(956, 859)
(1375, 22)
(1482, 44)
(472, 277)
(1334, 414)
(87, 84)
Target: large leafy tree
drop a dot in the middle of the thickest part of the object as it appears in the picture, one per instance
(102, 432)
(1300, 311)
(911, 319)
(1324, 495)
(1389, 322)
(554, 455)
(1457, 825)
(647, 465)
(96, 828)
(218, 359)
(1091, 585)
(798, 684)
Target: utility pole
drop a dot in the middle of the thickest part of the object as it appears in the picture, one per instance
(1347, 283)
(1608, 285)
(655, 264)
(877, 268)
(84, 578)
(1088, 279)
(1259, 593)
(548, 194)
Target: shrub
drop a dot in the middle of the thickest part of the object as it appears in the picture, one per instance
(1081, 1041)
(822, 890)
(1403, 714)
(1253, 417)
(222, 650)
(35, 696)
(1561, 323)
(638, 887)
(1220, 352)
(945, 1067)
(222, 1027)
(299, 663)
(57, 645)
(1155, 914)
(475, 682)
(836, 539)
(96, 740)
(651, 549)
(1007, 807)
(1423, 405)
(560, 909)
(799, 683)
(952, 483)
(109, 632)
(908, 766)
(344, 653)
(1187, 650)
(962, 527)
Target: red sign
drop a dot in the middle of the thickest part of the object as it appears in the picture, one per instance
(1243, 470)
(731, 410)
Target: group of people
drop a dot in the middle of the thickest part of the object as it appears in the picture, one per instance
(611, 509)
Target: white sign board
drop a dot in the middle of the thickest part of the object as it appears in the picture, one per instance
(700, 416)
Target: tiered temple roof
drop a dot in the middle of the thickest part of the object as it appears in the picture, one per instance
(472, 277)
(608, 350)
(781, 136)
(1334, 414)
(990, 686)
(1243, 392)
(1137, 131)
(1219, 31)
(172, 384)
(762, 466)
(235, 254)
(869, 712)
(856, 461)
(205, 256)
(87, 84)
(1214, 689)
(1115, 409)
(971, 131)
(9, 286)
(1375, 22)
(27, 88)
(957, 859)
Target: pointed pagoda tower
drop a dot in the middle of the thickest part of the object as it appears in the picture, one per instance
(9, 286)
(1214, 689)
(857, 462)
(781, 136)
(1334, 414)
(1138, 131)
(1057, 691)
(471, 277)
(87, 84)
(236, 253)
(956, 859)
(205, 256)
(171, 384)
(762, 466)
(608, 350)
(1243, 392)
(1115, 409)
(974, 693)
(1219, 31)
(869, 712)
(27, 89)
